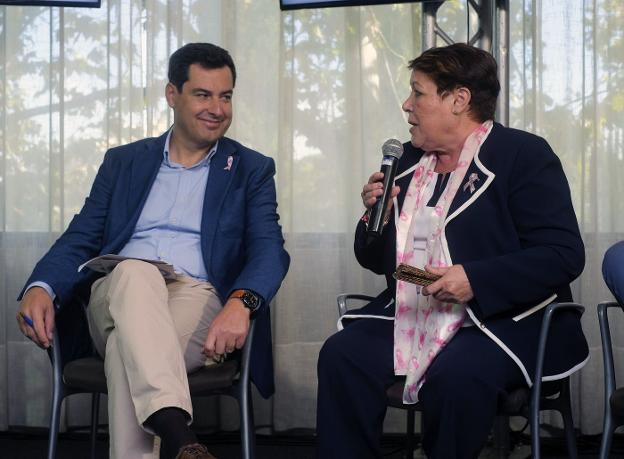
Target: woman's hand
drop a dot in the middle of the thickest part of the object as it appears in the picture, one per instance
(374, 189)
(452, 287)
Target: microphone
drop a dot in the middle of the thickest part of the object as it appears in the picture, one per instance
(391, 150)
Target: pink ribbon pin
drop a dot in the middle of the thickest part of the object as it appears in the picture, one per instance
(470, 183)
(228, 166)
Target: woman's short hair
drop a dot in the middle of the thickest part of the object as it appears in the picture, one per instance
(461, 65)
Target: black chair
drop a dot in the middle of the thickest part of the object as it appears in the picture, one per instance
(552, 395)
(86, 375)
(613, 396)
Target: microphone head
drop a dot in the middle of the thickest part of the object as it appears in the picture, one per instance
(392, 147)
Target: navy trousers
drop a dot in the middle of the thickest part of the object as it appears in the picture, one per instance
(459, 398)
(613, 270)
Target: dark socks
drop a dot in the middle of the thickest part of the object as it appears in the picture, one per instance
(170, 424)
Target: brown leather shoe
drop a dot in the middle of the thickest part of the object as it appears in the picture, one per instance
(194, 451)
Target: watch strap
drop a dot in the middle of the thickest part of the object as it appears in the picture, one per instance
(251, 300)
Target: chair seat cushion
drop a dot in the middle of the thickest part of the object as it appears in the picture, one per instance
(517, 401)
(214, 377)
(86, 375)
(395, 396)
(512, 403)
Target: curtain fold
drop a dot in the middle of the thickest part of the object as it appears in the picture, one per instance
(318, 90)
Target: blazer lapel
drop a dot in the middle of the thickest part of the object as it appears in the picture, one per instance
(136, 179)
(477, 179)
(144, 170)
(222, 169)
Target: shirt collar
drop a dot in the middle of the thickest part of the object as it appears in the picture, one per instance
(203, 163)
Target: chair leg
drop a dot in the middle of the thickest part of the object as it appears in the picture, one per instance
(607, 436)
(501, 435)
(248, 435)
(534, 423)
(568, 425)
(95, 415)
(409, 441)
(55, 419)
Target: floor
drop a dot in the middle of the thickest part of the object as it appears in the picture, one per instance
(18, 445)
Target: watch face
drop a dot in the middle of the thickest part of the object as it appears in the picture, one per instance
(251, 301)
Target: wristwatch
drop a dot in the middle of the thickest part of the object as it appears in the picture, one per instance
(251, 300)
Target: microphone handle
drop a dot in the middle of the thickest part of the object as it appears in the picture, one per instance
(375, 225)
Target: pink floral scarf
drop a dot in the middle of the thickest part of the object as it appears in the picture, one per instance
(423, 325)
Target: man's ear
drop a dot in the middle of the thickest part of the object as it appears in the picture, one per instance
(461, 100)
(171, 94)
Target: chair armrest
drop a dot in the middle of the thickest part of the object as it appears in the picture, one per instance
(551, 309)
(54, 353)
(343, 298)
(607, 348)
(246, 354)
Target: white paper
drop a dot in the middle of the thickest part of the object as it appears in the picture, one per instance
(106, 263)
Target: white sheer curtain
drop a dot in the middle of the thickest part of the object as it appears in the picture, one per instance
(319, 91)
(566, 85)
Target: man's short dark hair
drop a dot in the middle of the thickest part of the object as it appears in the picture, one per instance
(461, 65)
(207, 55)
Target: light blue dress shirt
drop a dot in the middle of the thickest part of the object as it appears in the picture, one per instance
(169, 227)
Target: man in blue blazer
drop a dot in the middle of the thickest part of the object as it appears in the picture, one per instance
(199, 201)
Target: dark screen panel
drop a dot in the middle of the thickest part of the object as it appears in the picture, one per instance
(77, 3)
(299, 4)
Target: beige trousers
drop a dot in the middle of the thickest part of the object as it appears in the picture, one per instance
(150, 333)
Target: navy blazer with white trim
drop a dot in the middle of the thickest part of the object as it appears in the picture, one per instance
(517, 237)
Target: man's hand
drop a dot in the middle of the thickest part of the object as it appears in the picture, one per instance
(228, 330)
(37, 305)
(452, 287)
(373, 191)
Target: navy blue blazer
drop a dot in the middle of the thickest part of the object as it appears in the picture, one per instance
(516, 236)
(241, 240)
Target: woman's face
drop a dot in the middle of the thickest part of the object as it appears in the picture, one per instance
(431, 115)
